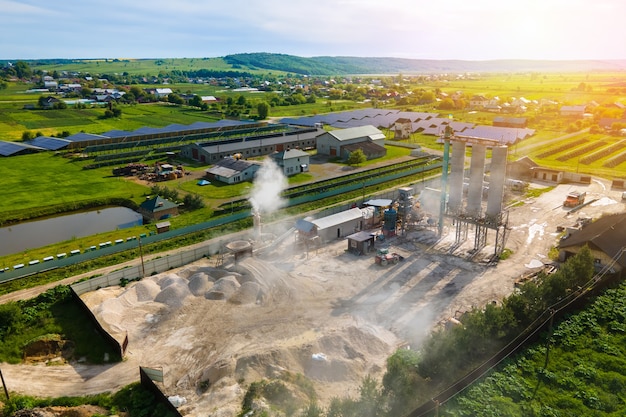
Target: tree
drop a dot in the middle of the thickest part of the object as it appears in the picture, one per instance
(175, 99)
(22, 70)
(27, 135)
(263, 109)
(446, 104)
(196, 101)
(356, 157)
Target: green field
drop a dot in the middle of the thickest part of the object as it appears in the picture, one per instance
(44, 179)
(143, 66)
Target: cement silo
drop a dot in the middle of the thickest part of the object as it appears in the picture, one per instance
(457, 170)
(496, 181)
(477, 172)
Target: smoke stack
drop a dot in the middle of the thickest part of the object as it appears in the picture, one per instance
(256, 221)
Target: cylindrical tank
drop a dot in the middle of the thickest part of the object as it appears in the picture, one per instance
(477, 173)
(457, 170)
(390, 219)
(496, 181)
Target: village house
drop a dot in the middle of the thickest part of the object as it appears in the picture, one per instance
(606, 239)
(478, 101)
(573, 111)
(233, 171)
(157, 208)
(292, 161)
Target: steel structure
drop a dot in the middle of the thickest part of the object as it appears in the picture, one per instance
(471, 214)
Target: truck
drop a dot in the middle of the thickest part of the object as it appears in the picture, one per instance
(574, 199)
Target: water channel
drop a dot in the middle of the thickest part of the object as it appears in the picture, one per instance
(34, 234)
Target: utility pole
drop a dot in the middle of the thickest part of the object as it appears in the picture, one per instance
(143, 269)
(4, 385)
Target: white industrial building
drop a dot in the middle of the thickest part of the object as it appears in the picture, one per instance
(339, 225)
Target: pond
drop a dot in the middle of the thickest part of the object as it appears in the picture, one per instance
(34, 234)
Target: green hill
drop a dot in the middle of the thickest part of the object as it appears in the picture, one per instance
(327, 65)
(261, 62)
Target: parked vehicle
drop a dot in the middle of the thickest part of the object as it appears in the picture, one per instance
(575, 198)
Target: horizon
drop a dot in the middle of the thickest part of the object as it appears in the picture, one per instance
(484, 30)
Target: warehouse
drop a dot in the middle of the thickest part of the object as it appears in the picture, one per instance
(332, 143)
(253, 146)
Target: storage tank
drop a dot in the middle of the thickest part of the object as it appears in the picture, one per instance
(457, 162)
(477, 173)
(496, 181)
(390, 218)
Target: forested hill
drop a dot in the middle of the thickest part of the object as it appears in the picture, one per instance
(325, 65)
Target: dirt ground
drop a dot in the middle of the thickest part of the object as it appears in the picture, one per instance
(327, 314)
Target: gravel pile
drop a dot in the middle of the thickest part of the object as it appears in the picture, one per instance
(146, 290)
(171, 279)
(247, 293)
(174, 294)
(227, 286)
(200, 283)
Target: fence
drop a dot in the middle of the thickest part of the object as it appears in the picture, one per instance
(27, 270)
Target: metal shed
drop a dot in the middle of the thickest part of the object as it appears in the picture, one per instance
(339, 225)
(361, 242)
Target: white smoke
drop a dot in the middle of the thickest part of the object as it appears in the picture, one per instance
(269, 182)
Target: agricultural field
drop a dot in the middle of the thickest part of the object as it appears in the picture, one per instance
(139, 66)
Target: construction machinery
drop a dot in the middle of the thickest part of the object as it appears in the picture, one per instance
(384, 258)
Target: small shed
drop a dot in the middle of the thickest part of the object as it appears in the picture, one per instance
(163, 227)
(361, 242)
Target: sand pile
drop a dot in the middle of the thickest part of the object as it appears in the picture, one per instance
(341, 356)
(173, 289)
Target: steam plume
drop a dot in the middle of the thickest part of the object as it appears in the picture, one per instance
(268, 183)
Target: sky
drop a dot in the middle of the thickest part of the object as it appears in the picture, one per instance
(420, 29)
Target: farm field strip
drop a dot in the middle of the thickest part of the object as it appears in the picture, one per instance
(581, 151)
(561, 147)
(603, 153)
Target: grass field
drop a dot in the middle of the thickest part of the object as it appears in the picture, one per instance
(144, 66)
(45, 179)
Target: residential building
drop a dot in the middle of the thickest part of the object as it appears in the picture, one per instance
(158, 208)
(605, 237)
(233, 171)
(292, 161)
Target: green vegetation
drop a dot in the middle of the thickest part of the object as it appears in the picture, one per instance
(52, 317)
(579, 370)
(132, 399)
(45, 183)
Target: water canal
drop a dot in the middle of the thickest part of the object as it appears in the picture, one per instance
(34, 234)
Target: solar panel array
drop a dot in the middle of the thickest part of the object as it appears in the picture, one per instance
(146, 130)
(49, 143)
(381, 118)
(13, 148)
(425, 123)
(505, 135)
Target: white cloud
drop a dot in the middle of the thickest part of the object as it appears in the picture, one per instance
(448, 29)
